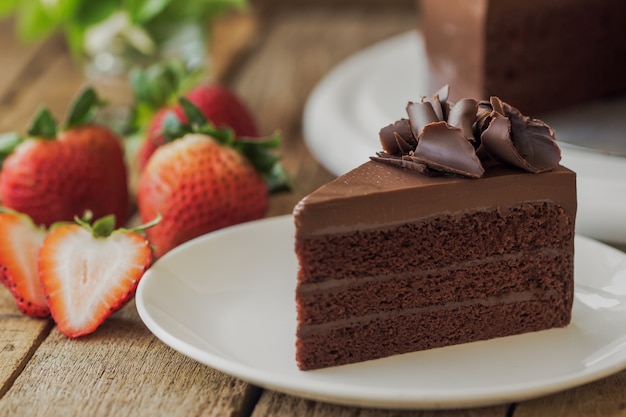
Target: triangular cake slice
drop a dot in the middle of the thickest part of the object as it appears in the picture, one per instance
(393, 261)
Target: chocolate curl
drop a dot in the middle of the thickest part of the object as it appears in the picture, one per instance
(445, 148)
(420, 114)
(440, 102)
(462, 115)
(519, 140)
(403, 161)
(397, 138)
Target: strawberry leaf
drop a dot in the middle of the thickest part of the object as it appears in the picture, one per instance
(256, 150)
(172, 127)
(84, 108)
(44, 125)
(198, 123)
(278, 180)
(267, 164)
(142, 227)
(224, 136)
(194, 114)
(104, 226)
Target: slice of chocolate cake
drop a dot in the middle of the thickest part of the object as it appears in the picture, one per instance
(394, 259)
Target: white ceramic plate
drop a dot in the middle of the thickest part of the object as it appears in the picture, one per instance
(227, 300)
(370, 90)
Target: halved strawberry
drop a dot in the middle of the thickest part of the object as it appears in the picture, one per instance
(20, 241)
(89, 272)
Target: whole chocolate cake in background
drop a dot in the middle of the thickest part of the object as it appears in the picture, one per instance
(460, 230)
(541, 55)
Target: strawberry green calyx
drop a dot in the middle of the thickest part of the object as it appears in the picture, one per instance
(84, 108)
(256, 149)
(82, 111)
(43, 126)
(105, 226)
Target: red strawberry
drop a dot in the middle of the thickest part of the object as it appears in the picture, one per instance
(53, 176)
(20, 241)
(219, 105)
(205, 181)
(89, 272)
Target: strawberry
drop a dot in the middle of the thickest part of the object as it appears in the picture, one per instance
(53, 175)
(218, 104)
(20, 241)
(205, 180)
(89, 272)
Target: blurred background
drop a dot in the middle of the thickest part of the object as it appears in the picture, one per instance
(270, 52)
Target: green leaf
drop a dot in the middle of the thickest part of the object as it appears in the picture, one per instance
(7, 7)
(157, 85)
(60, 11)
(173, 128)
(194, 114)
(143, 10)
(225, 136)
(104, 226)
(278, 180)
(33, 21)
(92, 12)
(44, 125)
(142, 227)
(84, 107)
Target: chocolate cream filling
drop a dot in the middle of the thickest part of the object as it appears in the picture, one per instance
(511, 298)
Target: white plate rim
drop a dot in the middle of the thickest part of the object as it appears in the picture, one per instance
(340, 393)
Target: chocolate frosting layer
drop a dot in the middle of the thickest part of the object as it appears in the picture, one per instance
(459, 138)
(376, 195)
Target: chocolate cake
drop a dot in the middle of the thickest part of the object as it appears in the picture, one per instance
(428, 246)
(541, 55)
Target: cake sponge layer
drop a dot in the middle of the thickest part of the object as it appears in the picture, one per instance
(448, 279)
(419, 331)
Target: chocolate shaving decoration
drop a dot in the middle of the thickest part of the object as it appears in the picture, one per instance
(404, 161)
(513, 138)
(440, 102)
(397, 138)
(444, 148)
(460, 138)
(463, 115)
(420, 114)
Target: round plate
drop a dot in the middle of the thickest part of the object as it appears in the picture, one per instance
(227, 300)
(370, 90)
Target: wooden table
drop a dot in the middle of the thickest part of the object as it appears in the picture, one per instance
(273, 57)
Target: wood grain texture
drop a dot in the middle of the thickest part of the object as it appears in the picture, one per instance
(121, 369)
(281, 405)
(20, 336)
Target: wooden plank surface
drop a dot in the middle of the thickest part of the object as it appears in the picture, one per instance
(121, 369)
(281, 405)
